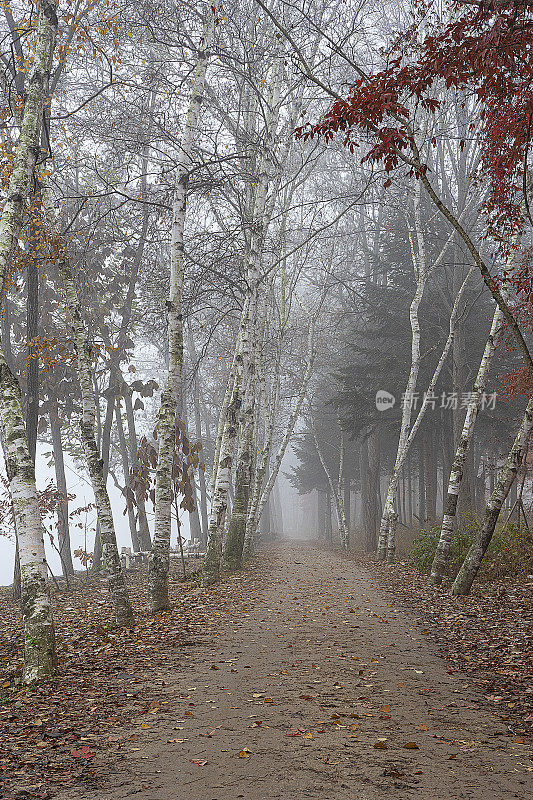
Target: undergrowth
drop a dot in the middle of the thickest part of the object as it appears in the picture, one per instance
(510, 551)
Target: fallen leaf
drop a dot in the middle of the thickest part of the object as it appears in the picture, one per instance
(82, 752)
(245, 753)
(411, 746)
(380, 745)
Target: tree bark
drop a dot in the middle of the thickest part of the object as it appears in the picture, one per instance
(117, 586)
(422, 512)
(469, 569)
(145, 541)
(430, 469)
(32, 331)
(158, 598)
(463, 447)
(123, 447)
(39, 638)
(199, 438)
(63, 532)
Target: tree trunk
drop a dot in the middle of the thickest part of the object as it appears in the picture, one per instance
(321, 515)
(387, 529)
(145, 541)
(261, 494)
(471, 564)
(159, 557)
(421, 484)
(219, 501)
(370, 474)
(430, 469)
(125, 472)
(329, 531)
(347, 507)
(117, 586)
(335, 490)
(63, 532)
(39, 637)
(462, 450)
(32, 331)
(410, 491)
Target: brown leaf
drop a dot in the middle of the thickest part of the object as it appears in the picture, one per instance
(82, 752)
(411, 746)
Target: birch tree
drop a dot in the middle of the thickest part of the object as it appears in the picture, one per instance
(158, 598)
(97, 470)
(465, 440)
(472, 562)
(335, 488)
(39, 638)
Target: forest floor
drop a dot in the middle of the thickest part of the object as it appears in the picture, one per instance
(307, 675)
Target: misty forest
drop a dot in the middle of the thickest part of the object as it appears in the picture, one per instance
(266, 399)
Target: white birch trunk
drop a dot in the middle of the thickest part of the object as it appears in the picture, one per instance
(117, 585)
(387, 531)
(386, 540)
(240, 409)
(159, 558)
(463, 447)
(261, 497)
(506, 478)
(39, 638)
(339, 505)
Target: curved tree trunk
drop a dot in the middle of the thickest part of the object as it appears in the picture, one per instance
(465, 439)
(117, 586)
(471, 564)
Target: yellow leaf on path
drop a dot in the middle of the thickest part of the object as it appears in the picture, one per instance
(422, 727)
(385, 709)
(411, 746)
(245, 753)
(307, 736)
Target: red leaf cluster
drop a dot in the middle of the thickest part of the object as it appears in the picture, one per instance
(486, 50)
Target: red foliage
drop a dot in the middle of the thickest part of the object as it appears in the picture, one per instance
(487, 50)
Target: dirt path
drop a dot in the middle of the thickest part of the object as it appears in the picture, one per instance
(303, 677)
